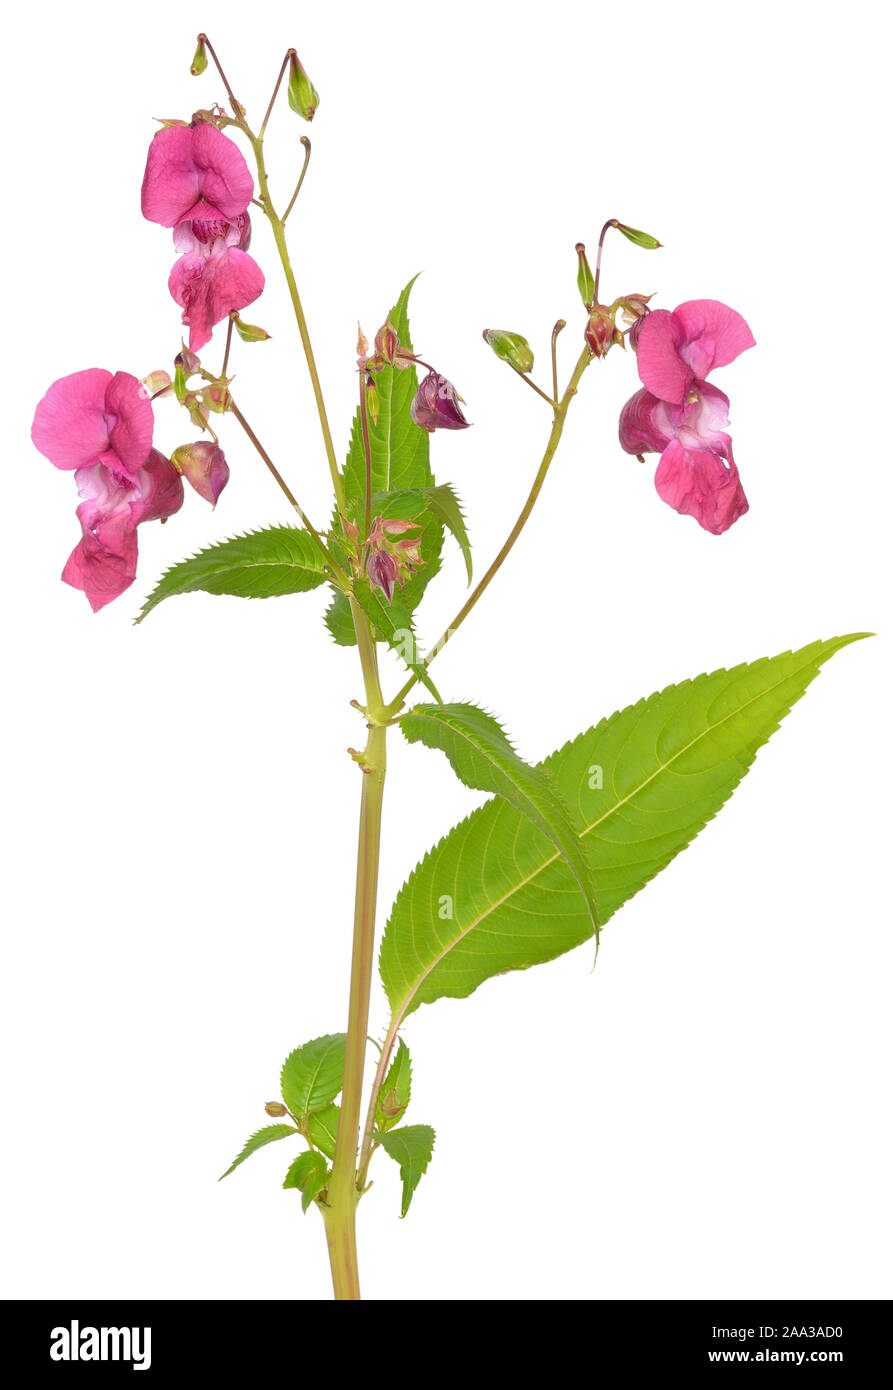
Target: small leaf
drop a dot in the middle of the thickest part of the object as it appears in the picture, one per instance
(268, 1135)
(411, 1147)
(445, 505)
(393, 1098)
(323, 1129)
(261, 564)
(313, 1186)
(312, 1075)
(395, 626)
(303, 1166)
(482, 757)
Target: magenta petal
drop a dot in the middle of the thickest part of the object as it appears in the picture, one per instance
(103, 563)
(161, 489)
(661, 369)
(209, 287)
(194, 172)
(639, 429)
(713, 334)
(699, 483)
(131, 421)
(69, 426)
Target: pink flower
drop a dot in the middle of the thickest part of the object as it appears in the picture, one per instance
(198, 183)
(214, 276)
(435, 405)
(195, 173)
(681, 417)
(94, 417)
(100, 425)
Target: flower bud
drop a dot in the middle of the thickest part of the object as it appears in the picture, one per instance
(391, 1105)
(633, 306)
(188, 360)
(435, 405)
(644, 239)
(249, 332)
(302, 95)
(382, 571)
(276, 1109)
(157, 384)
(585, 278)
(204, 467)
(198, 411)
(180, 389)
(601, 331)
(510, 347)
(216, 398)
(200, 61)
(387, 344)
(372, 403)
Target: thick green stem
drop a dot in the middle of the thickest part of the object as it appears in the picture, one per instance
(343, 1194)
(560, 416)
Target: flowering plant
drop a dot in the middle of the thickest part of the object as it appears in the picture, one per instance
(561, 845)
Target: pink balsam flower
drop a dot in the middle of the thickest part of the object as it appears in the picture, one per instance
(683, 418)
(198, 183)
(100, 425)
(435, 405)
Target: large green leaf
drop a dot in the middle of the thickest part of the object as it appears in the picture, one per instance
(495, 895)
(262, 564)
(482, 757)
(411, 1147)
(268, 1135)
(323, 1129)
(312, 1075)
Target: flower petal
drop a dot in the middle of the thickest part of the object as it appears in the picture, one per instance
(131, 421)
(195, 172)
(103, 563)
(70, 427)
(661, 369)
(209, 287)
(700, 483)
(712, 334)
(639, 430)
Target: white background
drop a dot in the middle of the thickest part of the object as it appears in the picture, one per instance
(707, 1114)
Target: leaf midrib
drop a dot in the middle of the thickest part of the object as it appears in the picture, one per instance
(401, 1013)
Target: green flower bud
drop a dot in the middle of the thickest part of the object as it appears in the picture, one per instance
(249, 332)
(585, 278)
(200, 61)
(510, 347)
(275, 1109)
(650, 243)
(302, 95)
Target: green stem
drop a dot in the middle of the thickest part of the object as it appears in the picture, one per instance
(343, 1194)
(558, 422)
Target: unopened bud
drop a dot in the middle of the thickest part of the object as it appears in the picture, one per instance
(204, 467)
(198, 411)
(644, 239)
(510, 347)
(200, 61)
(276, 1109)
(180, 389)
(249, 332)
(187, 359)
(157, 384)
(216, 398)
(435, 405)
(601, 331)
(302, 95)
(585, 278)
(372, 403)
(390, 1105)
(387, 344)
(382, 571)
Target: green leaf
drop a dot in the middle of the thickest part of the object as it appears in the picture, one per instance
(313, 1186)
(398, 447)
(261, 564)
(444, 503)
(268, 1135)
(411, 1147)
(395, 626)
(312, 1075)
(393, 1097)
(482, 757)
(494, 895)
(338, 620)
(323, 1128)
(303, 1167)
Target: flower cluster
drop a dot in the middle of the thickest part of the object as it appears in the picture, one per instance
(435, 405)
(198, 183)
(680, 416)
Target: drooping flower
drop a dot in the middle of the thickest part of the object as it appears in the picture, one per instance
(682, 417)
(204, 467)
(381, 568)
(435, 405)
(100, 425)
(198, 183)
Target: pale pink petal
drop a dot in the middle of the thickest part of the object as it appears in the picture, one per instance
(661, 369)
(130, 418)
(103, 564)
(209, 287)
(700, 423)
(639, 429)
(701, 484)
(712, 334)
(70, 426)
(194, 172)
